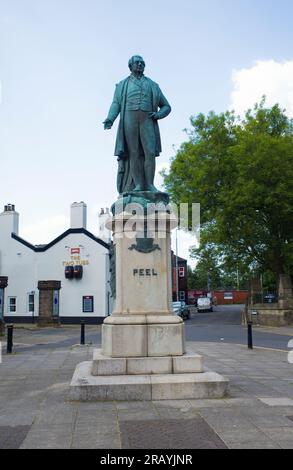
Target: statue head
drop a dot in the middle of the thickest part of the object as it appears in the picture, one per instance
(136, 64)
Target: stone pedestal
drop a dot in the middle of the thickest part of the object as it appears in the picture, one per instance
(143, 354)
(49, 303)
(142, 323)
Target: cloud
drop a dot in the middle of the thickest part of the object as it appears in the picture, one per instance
(186, 240)
(270, 78)
(46, 230)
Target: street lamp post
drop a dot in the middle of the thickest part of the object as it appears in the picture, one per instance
(177, 281)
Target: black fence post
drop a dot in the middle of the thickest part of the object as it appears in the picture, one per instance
(82, 332)
(249, 335)
(9, 339)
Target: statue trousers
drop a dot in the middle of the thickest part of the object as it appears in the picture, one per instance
(140, 135)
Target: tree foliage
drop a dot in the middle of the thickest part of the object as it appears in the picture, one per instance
(241, 172)
(213, 272)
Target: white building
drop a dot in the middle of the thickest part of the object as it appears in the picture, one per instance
(77, 258)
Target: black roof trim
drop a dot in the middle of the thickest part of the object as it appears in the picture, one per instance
(42, 248)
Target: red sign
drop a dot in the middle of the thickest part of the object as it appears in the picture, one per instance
(75, 251)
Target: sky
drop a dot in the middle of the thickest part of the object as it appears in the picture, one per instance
(60, 61)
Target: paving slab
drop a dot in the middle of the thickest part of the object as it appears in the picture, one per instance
(36, 412)
(280, 433)
(173, 413)
(11, 437)
(253, 445)
(96, 441)
(277, 401)
(169, 434)
(48, 437)
(286, 444)
(135, 405)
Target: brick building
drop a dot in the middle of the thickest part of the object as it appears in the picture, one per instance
(181, 278)
(220, 297)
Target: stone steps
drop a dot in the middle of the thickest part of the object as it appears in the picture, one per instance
(188, 363)
(87, 387)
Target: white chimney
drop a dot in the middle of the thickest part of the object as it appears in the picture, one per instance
(9, 220)
(78, 215)
(104, 232)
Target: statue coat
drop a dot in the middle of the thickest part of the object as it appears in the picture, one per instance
(159, 102)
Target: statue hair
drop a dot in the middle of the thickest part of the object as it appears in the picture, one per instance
(130, 62)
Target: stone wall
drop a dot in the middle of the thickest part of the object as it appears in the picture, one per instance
(271, 315)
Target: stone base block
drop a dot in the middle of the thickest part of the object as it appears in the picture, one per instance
(166, 340)
(188, 364)
(189, 386)
(86, 387)
(124, 340)
(149, 365)
(143, 336)
(104, 365)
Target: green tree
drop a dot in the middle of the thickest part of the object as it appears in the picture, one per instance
(241, 172)
(207, 272)
(213, 270)
(191, 278)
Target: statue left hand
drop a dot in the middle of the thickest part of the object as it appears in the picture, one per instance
(154, 116)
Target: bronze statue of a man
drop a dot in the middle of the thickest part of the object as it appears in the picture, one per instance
(140, 103)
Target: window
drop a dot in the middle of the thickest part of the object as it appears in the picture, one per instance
(181, 271)
(12, 304)
(88, 304)
(31, 303)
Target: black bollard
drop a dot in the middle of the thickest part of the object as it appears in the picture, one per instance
(9, 339)
(249, 335)
(82, 330)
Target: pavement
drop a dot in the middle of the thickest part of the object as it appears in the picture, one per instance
(35, 412)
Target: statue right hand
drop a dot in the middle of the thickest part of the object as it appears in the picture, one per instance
(107, 124)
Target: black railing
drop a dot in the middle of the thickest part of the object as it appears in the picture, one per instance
(82, 332)
(265, 298)
(9, 339)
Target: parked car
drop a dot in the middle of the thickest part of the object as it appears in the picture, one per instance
(177, 308)
(181, 309)
(185, 310)
(204, 304)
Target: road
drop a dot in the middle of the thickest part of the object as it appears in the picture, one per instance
(224, 325)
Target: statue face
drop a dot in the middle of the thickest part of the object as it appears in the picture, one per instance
(137, 65)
